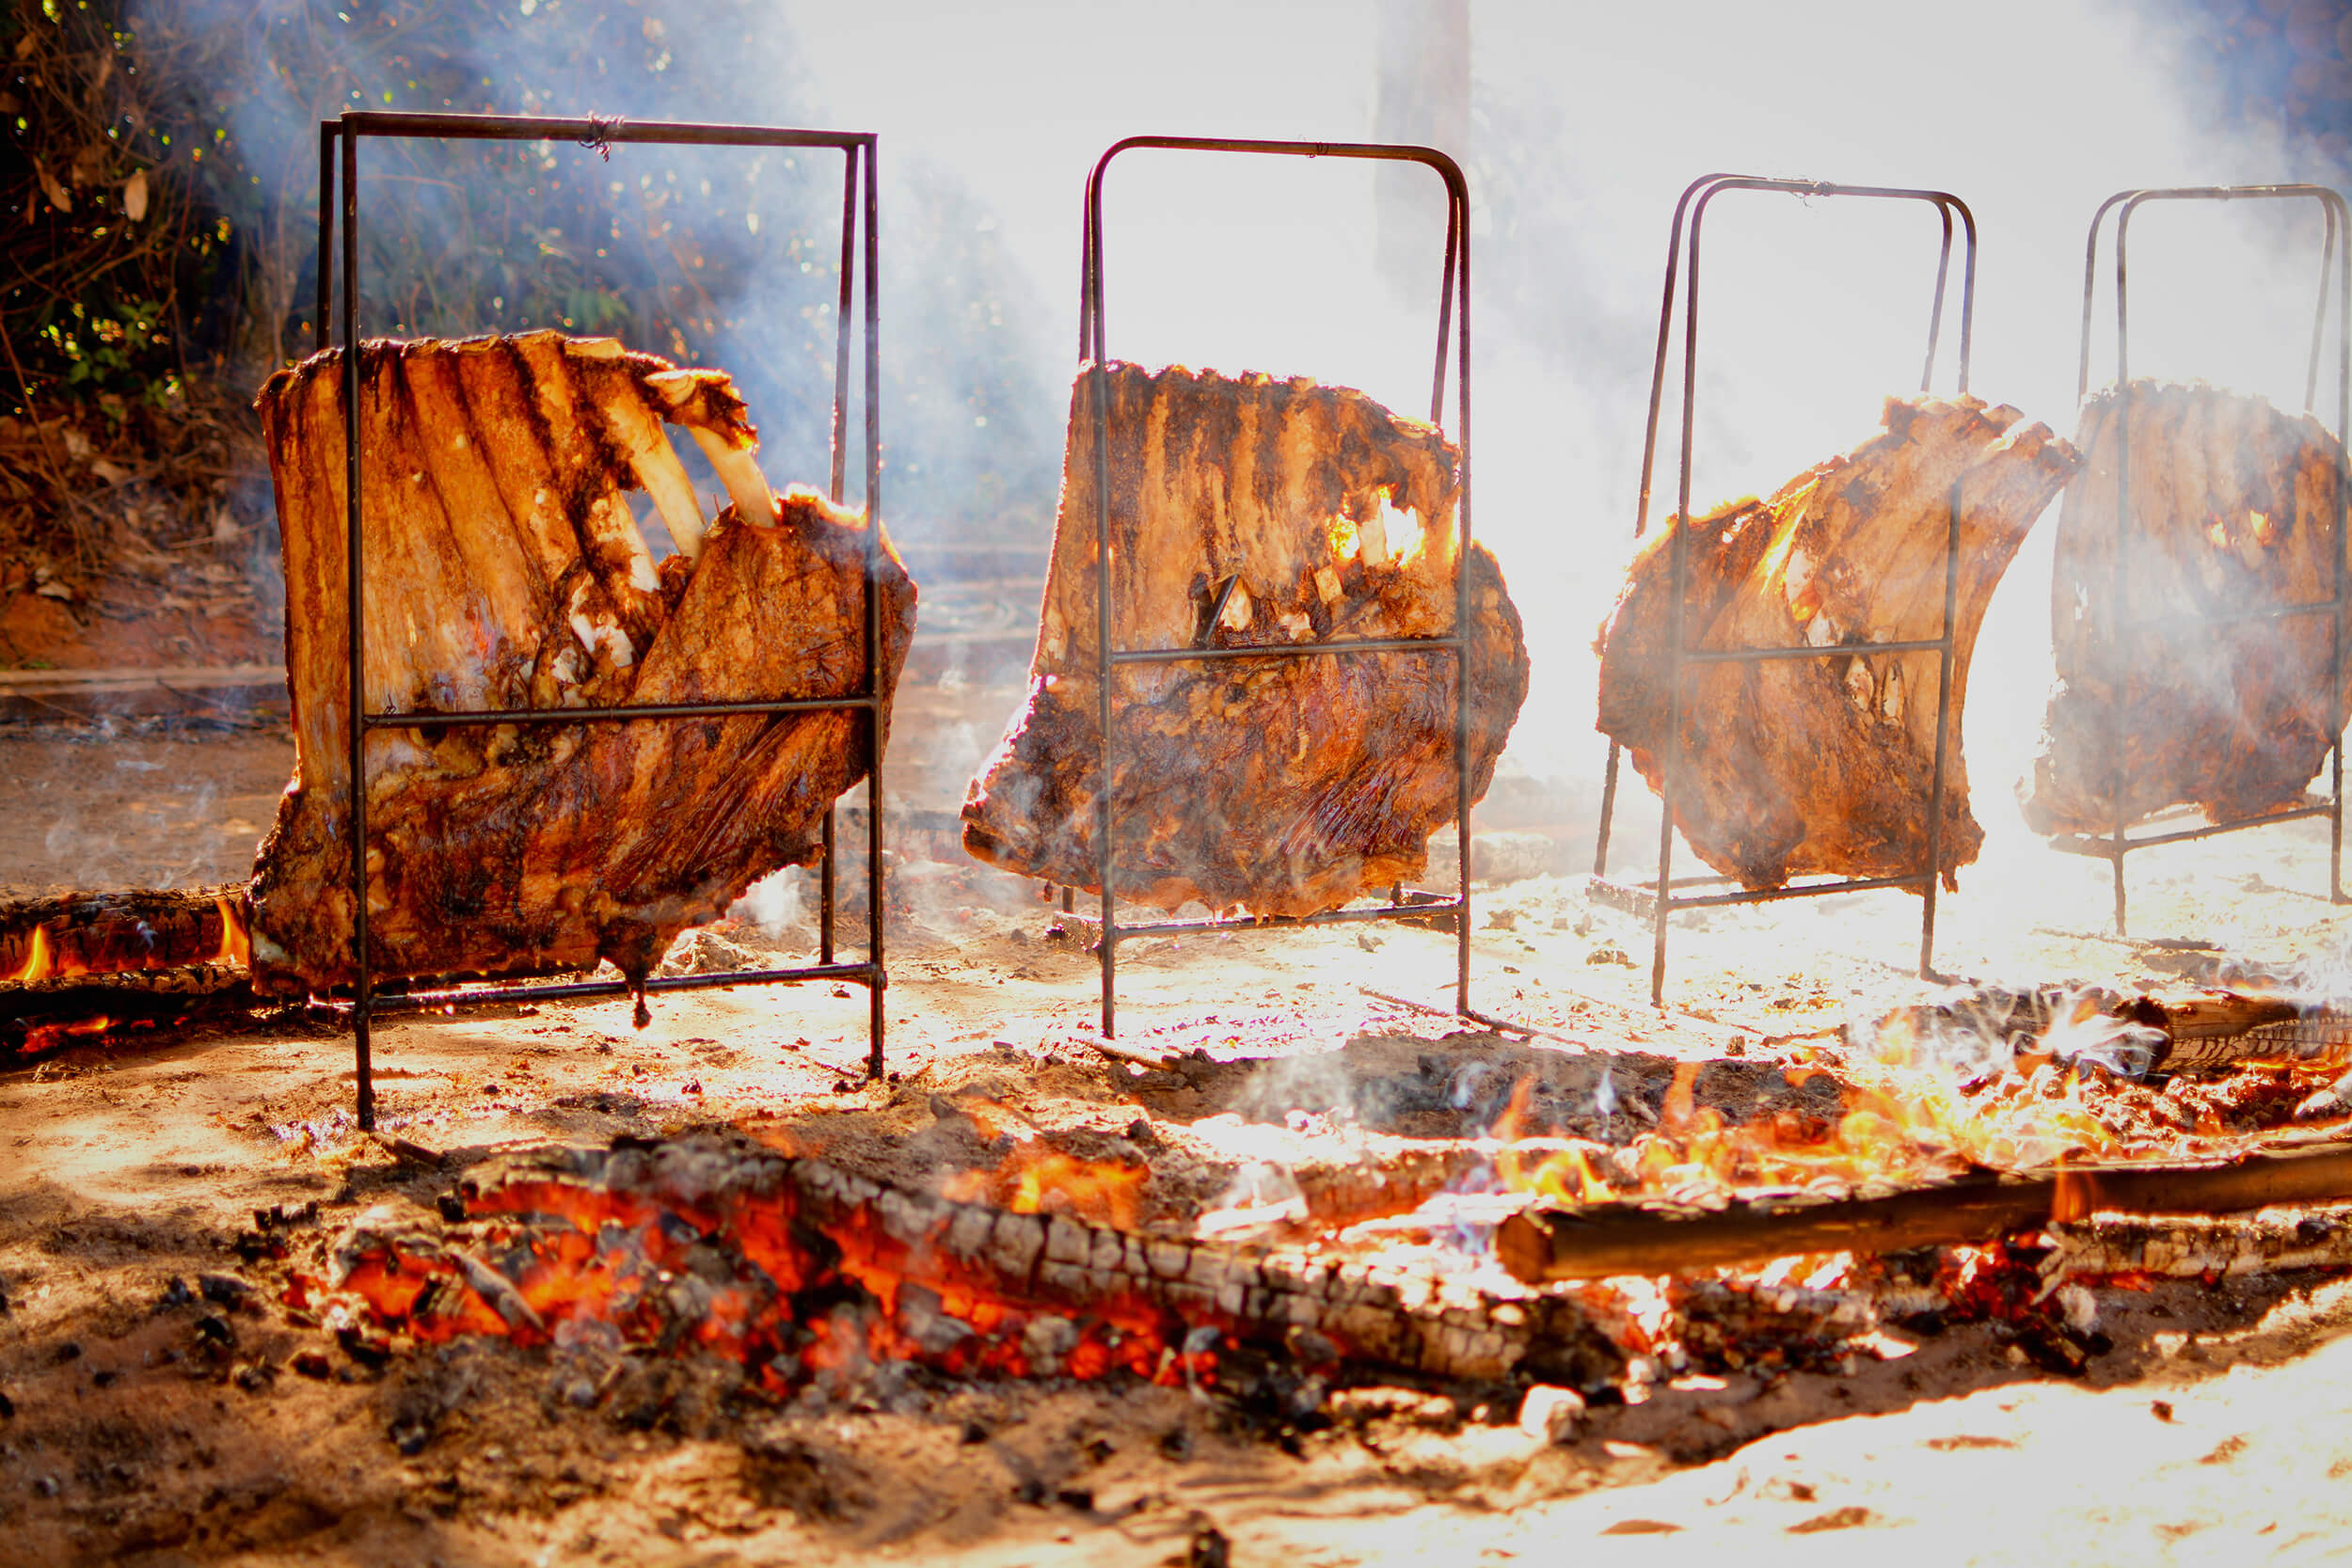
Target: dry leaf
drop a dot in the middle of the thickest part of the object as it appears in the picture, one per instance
(134, 197)
(50, 188)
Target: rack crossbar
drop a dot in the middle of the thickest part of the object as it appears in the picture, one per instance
(413, 719)
(1291, 650)
(1434, 908)
(479, 996)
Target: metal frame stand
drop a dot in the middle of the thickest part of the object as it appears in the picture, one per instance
(1453, 297)
(858, 217)
(2117, 842)
(1658, 898)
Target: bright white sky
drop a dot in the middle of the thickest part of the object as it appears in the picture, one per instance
(2030, 112)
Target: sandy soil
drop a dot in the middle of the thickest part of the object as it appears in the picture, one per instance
(164, 1408)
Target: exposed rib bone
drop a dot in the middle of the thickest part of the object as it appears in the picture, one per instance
(657, 466)
(738, 471)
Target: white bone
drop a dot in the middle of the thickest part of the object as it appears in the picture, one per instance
(738, 471)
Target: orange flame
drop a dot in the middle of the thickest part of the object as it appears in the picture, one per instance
(37, 966)
(237, 947)
(1899, 1122)
(2072, 1196)
(1034, 1179)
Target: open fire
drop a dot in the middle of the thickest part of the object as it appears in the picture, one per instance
(1044, 1259)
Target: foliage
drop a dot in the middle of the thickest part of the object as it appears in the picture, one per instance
(113, 256)
(206, 113)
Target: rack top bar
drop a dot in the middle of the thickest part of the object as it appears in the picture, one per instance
(2223, 192)
(393, 122)
(1821, 187)
(1387, 151)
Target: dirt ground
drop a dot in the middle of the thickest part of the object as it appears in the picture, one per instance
(162, 1406)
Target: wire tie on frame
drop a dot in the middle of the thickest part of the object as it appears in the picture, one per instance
(601, 128)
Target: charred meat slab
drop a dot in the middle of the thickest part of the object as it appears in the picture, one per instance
(1795, 766)
(506, 569)
(1251, 511)
(2234, 515)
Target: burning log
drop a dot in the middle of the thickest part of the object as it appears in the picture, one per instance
(505, 570)
(1262, 514)
(2234, 516)
(799, 1269)
(36, 1015)
(1659, 1235)
(76, 965)
(1800, 765)
(63, 935)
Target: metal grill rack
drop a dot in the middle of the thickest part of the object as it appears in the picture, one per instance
(1660, 899)
(1453, 297)
(2117, 842)
(338, 149)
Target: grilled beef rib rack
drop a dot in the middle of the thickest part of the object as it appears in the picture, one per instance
(1268, 513)
(506, 570)
(1805, 766)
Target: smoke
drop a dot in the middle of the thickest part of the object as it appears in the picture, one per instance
(721, 256)
(1585, 122)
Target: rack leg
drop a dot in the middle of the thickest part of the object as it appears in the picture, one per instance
(824, 896)
(2118, 862)
(1608, 814)
(1111, 976)
(874, 1029)
(2335, 825)
(362, 1068)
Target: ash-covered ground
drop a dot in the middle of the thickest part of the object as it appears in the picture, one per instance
(163, 1406)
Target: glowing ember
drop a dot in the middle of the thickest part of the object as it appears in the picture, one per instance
(42, 1038)
(759, 1261)
(804, 1272)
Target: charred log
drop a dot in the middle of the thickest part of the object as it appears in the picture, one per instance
(61, 935)
(1802, 766)
(962, 1286)
(2235, 515)
(1659, 1236)
(2154, 1032)
(506, 569)
(2312, 1236)
(1252, 513)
